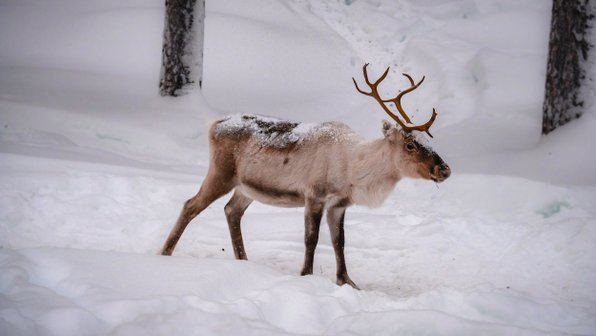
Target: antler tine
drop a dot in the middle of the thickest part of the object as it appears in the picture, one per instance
(424, 127)
(365, 78)
(378, 80)
(375, 93)
(396, 101)
(412, 85)
(371, 85)
(358, 89)
(412, 81)
(411, 88)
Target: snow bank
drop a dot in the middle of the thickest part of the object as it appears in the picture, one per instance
(76, 292)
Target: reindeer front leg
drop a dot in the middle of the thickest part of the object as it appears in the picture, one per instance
(335, 219)
(313, 211)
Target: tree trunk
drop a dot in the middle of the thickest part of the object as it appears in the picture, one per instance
(182, 52)
(567, 62)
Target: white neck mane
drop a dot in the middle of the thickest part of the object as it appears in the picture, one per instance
(373, 173)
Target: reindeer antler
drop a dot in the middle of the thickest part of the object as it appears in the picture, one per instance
(374, 92)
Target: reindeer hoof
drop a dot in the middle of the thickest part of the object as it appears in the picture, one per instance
(346, 281)
(166, 252)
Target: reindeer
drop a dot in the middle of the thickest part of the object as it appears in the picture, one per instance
(321, 167)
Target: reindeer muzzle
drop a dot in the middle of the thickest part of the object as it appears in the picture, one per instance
(440, 172)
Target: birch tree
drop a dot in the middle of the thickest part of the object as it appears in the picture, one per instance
(567, 62)
(182, 52)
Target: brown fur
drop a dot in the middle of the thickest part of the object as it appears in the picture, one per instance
(328, 170)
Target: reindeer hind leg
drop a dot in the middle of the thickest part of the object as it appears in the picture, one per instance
(234, 211)
(214, 187)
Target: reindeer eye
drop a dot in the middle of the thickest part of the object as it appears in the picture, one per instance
(410, 147)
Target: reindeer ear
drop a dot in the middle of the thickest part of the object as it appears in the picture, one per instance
(388, 128)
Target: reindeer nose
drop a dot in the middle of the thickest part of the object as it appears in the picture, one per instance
(441, 172)
(445, 172)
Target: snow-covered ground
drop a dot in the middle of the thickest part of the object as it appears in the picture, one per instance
(95, 167)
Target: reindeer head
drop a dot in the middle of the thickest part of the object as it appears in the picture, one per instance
(415, 158)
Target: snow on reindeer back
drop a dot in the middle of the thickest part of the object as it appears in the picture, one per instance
(272, 132)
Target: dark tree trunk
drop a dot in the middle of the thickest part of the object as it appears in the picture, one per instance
(182, 54)
(567, 62)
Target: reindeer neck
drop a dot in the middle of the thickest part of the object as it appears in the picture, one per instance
(373, 172)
